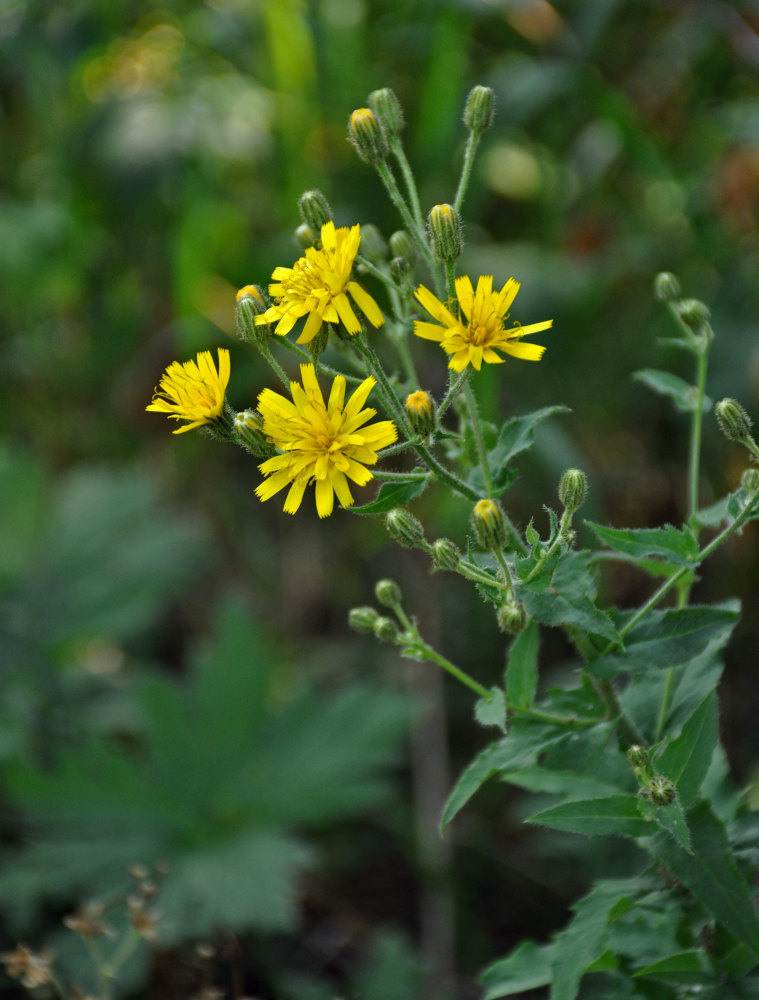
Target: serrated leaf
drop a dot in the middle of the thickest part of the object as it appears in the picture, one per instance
(668, 638)
(491, 710)
(670, 818)
(474, 776)
(526, 968)
(522, 669)
(684, 396)
(686, 759)
(392, 494)
(516, 436)
(678, 548)
(683, 967)
(617, 814)
(711, 873)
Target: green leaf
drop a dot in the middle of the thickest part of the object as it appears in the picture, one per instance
(679, 548)
(711, 873)
(526, 968)
(516, 436)
(617, 814)
(570, 600)
(686, 759)
(684, 396)
(392, 494)
(522, 668)
(670, 818)
(683, 967)
(491, 710)
(668, 638)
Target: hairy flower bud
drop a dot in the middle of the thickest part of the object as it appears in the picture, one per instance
(400, 269)
(659, 790)
(247, 431)
(479, 110)
(750, 480)
(251, 303)
(366, 135)
(314, 209)
(488, 524)
(305, 236)
(404, 528)
(446, 236)
(666, 287)
(402, 245)
(388, 593)
(733, 420)
(573, 489)
(445, 554)
(385, 629)
(511, 617)
(362, 619)
(638, 756)
(420, 410)
(693, 313)
(388, 111)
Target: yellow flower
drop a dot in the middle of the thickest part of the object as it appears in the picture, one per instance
(478, 331)
(325, 444)
(193, 391)
(317, 286)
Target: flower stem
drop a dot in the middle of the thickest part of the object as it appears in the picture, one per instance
(695, 432)
(415, 231)
(453, 391)
(396, 147)
(466, 169)
(479, 440)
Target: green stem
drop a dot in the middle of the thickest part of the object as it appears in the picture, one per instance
(453, 391)
(428, 653)
(320, 366)
(402, 477)
(399, 153)
(466, 169)
(626, 728)
(415, 231)
(501, 560)
(695, 433)
(275, 366)
(479, 440)
(564, 525)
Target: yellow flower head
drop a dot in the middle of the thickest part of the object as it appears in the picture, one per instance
(193, 391)
(323, 443)
(317, 285)
(478, 331)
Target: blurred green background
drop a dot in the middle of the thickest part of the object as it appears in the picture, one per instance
(178, 681)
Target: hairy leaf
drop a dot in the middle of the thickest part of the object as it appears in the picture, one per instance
(522, 669)
(684, 396)
(679, 548)
(516, 436)
(391, 495)
(526, 968)
(594, 817)
(491, 711)
(686, 759)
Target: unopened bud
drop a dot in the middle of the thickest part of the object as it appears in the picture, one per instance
(400, 269)
(401, 245)
(362, 619)
(250, 304)
(404, 528)
(511, 617)
(638, 756)
(693, 313)
(388, 593)
(445, 554)
(666, 287)
(247, 431)
(387, 110)
(488, 525)
(314, 209)
(733, 420)
(420, 410)
(750, 481)
(373, 245)
(366, 135)
(446, 235)
(659, 790)
(479, 110)
(573, 489)
(305, 236)
(385, 629)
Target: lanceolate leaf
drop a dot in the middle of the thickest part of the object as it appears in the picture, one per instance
(522, 669)
(686, 759)
(526, 968)
(684, 396)
(392, 494)
(611, 814)
(677, 547)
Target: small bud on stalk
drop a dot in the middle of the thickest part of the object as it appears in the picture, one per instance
(638, 756)
(305, 236)
(446, 235)
(479, 110)
(445, 554)
(366, 135)
(733, 420)
(385, 629)
(693, 313)
(401, 245)
(400, 269)
(666, 287)
(362, 619)
(511, 618)
(404, 528)
(314, 209)
(247, 431)
(573, 489)
(420, 410)
(489, 526)
(251, 302)
(659, 790)
(388, 593)
(388, 111)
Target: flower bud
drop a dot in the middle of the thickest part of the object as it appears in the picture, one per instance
(693, 313)
(750, 481)
(305, 236)
(479, 110)
(446, 236)
(488, 525)
(400, 269)
(373, 245)
(659, 790)
(733, 420)
(573, 489)
(247, 431)
(401, 245)
(388, 593)
(404, 528)
(638, 756)
(314, 209)
(445, 554)
(251, 303)
(420, 410)
(666, 287)
(366, 135)
(387, 110)
(385, 629)
(362, 619)
(510, 617)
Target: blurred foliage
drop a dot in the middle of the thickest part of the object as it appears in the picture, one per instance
(153, 153)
